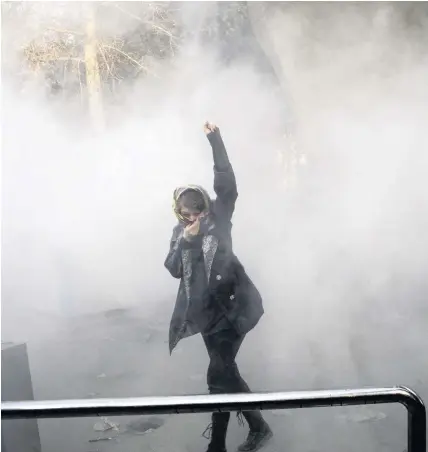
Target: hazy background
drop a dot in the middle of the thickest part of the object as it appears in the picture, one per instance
(341, 259)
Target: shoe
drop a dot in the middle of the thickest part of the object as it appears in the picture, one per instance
(256, 440)
(215, 448)
(216, 432)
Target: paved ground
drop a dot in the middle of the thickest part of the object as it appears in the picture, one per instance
(120, 354)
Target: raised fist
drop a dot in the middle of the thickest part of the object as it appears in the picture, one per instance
(209, 127)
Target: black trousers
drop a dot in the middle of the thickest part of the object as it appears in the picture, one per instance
(223, 374)
(223, 377)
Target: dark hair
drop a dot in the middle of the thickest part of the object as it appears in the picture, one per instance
(192, 200)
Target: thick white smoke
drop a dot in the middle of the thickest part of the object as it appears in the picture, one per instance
(341, 260)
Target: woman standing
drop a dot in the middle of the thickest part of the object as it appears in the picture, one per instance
(216, 297)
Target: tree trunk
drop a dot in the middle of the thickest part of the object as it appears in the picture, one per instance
(270, 40)
(93, 79)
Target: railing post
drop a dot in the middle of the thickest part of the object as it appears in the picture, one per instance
(417, 422)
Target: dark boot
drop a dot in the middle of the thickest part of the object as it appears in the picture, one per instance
(220, 422)
(260, 432)
(214, 448)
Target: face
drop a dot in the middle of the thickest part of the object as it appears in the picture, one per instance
(190, 215)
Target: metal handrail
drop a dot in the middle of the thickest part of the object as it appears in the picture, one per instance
(229, 402)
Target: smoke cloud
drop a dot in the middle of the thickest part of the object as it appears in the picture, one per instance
(340, 258)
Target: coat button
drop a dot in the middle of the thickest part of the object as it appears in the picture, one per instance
(218, 277)
(232, 297)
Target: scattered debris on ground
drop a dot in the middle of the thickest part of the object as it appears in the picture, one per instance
(144, 425)
(103, 438)
(105, 425)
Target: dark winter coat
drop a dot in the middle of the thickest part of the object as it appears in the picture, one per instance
(215, 292)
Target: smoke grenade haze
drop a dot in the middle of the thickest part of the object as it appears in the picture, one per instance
(340, 259)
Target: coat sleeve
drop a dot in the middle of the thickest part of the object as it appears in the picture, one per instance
(174, 262)
(224, 177)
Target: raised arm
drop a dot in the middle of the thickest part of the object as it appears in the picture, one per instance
(224, 177)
